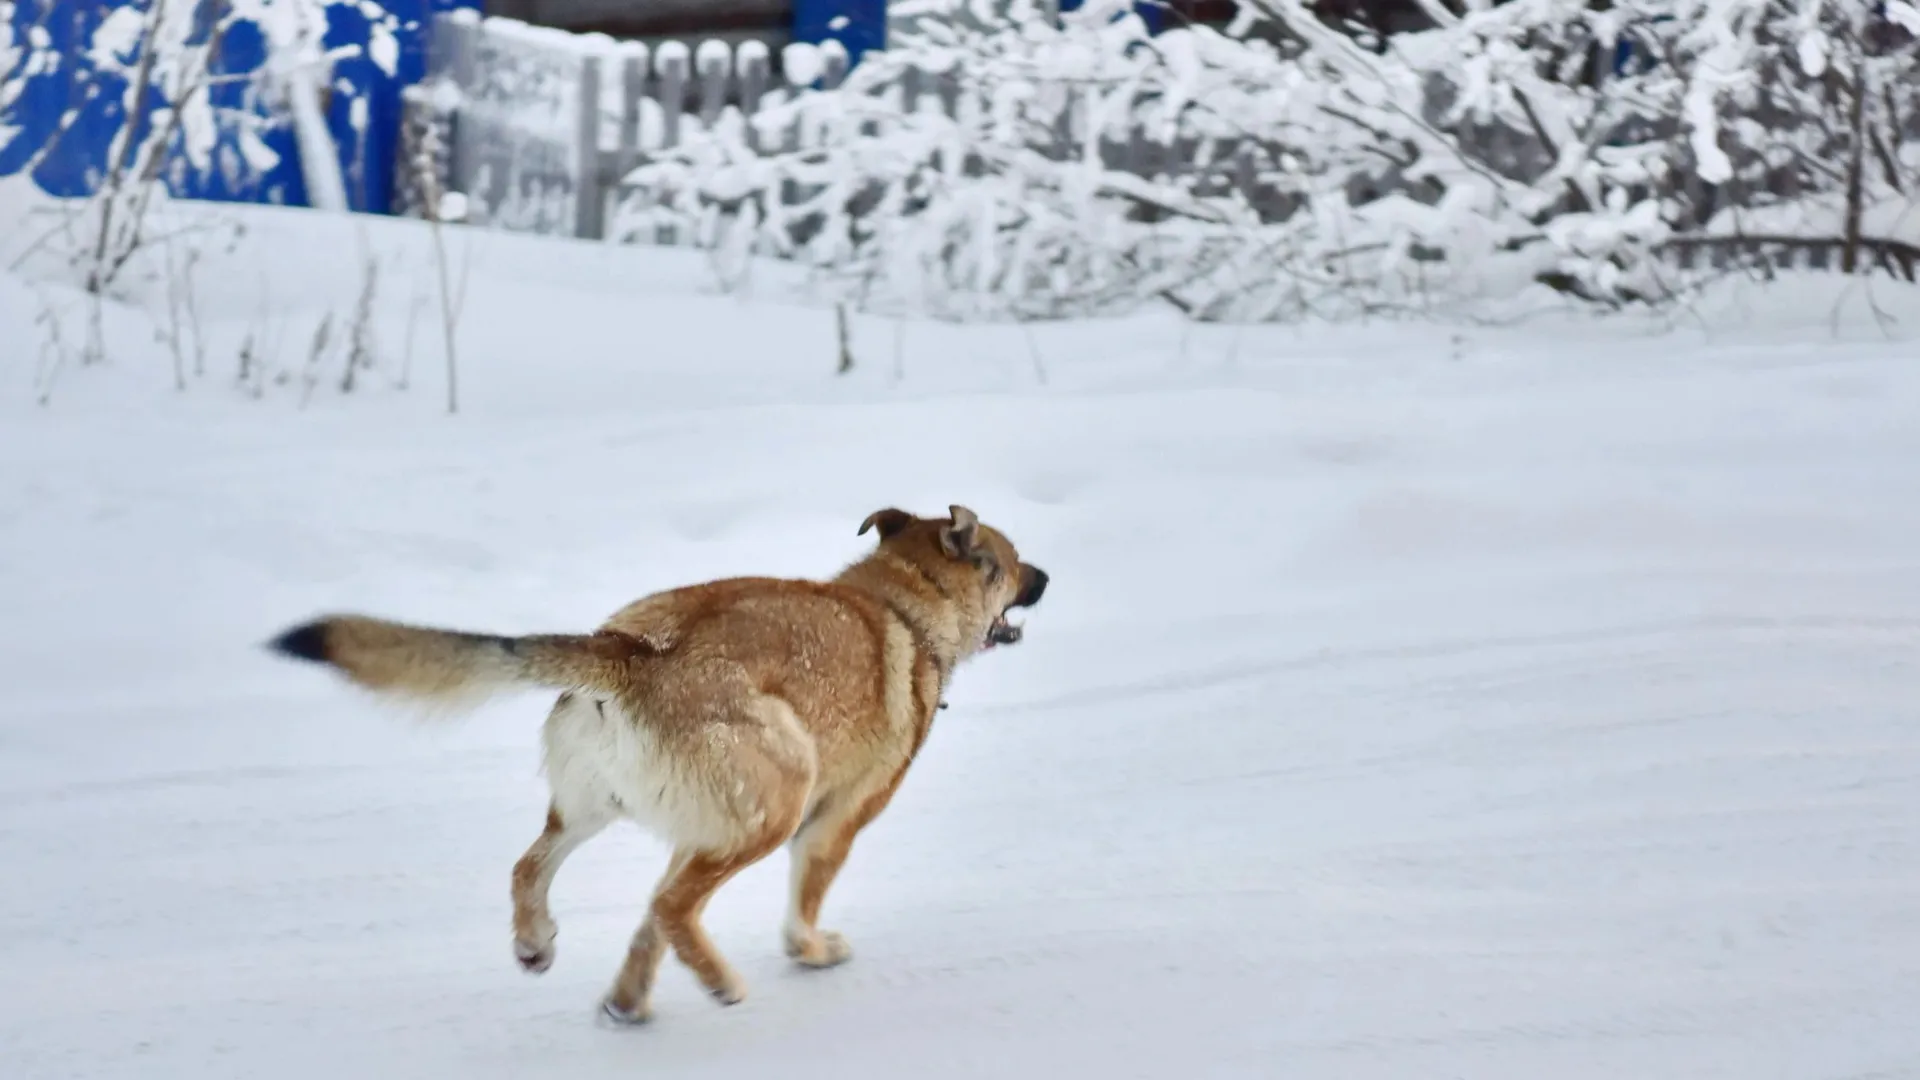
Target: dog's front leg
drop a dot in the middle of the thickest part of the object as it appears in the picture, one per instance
(819, 850)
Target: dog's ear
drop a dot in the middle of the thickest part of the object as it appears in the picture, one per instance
(962, 536)
(888, 521)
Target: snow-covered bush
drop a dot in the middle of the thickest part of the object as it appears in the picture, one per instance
(941, 175)
(1803, 115)
(1721, 108)
(1038, 166)
(1056, 168)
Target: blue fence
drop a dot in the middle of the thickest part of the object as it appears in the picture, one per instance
(858, 24)
(62, 125)
(73, 96)
(1152, 13)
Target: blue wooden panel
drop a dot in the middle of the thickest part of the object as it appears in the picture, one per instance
(238, 110)
(364, 113)
(62, 151)
(63, 124)
(66, 119)
(1150, 13)
(858, 24)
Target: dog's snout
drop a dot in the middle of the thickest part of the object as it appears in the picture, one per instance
(1033, 582)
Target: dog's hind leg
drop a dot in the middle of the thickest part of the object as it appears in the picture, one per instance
(673, 921)
(768, 776)
(533, 926)
(577, 729)
(676, 915)
(818, 852)
(631, 999)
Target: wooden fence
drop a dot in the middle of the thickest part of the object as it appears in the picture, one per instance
(1897, 259)
(548, 122)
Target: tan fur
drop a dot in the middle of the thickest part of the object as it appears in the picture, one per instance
(730, 717)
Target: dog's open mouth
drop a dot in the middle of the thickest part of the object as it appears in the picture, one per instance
(1002, 632)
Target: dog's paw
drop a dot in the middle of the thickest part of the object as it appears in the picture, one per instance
(624, 1015)
(534, 959)
(821, 949)
(731, 992)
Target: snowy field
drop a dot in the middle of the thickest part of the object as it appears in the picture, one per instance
(1534, 703)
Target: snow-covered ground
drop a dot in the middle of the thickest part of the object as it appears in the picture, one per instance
(1538, 703)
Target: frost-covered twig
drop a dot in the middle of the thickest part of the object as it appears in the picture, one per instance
(437, 205)
(360, 332)
(843, 333)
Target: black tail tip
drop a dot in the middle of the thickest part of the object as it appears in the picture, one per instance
(308, 641)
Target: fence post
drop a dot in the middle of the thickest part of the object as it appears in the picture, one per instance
(834, 64)
(633, 87)
(460, 38)
(714, 61)
(670, 64)
(589, 195)
(670, 68)
(756, 71)
(462, 43)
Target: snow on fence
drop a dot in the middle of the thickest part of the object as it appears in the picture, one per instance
(535, 127)
(542, 126)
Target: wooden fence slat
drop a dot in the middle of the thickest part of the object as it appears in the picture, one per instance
(756, 74)
(713, 64)
(833, 64)
(633, 88)
(589, 202)
(672, 64)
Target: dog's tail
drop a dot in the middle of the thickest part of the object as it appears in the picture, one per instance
(454, 669)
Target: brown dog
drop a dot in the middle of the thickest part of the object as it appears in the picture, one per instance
(729, 718)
